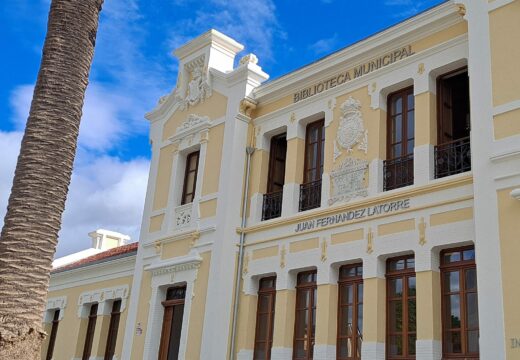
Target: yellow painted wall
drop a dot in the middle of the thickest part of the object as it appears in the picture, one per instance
(425, 119)
(263, 108)
(284, 318)
(210, 181)
(429, 326)
(327, 314)
(164, 173)
(304, 245)
(176, 248)
(440, 37)
(374, 307)
(396, 227)
(504, 31)
(506, 124)
(208, 208)
(451, 216)
(247, 322)
(145, 294)
(71, 330)
(347, 236)
(295, 161)
(156, 223)
(265, 252)
(259, 171)
(508, 220)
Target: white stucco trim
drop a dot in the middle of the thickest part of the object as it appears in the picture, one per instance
(54, 303)
(104, 298)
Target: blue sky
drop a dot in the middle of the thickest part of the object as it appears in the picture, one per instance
(133, 67)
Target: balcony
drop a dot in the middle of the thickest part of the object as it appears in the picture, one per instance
(272, 205)
(398, 172)
(453, 158)
(183, 215)
(310, 195)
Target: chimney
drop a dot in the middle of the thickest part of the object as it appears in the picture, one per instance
(105, 239)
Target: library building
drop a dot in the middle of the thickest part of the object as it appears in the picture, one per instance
(364, 206)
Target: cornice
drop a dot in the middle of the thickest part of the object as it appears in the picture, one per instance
(214, 37)
(415, 28)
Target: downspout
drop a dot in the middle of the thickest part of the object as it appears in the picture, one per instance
(238, 276)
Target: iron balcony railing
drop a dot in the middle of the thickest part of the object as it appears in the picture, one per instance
(453, 158)
(398, 172)
(310, 195)
(272, 205)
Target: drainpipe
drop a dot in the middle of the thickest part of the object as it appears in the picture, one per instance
(238, 276)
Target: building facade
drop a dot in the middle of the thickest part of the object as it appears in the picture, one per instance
(363, 206)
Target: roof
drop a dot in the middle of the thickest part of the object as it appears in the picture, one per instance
(108, 255)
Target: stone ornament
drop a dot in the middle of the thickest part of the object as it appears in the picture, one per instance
(349, 180)
(198, 88)
(351, 131)
(183, 215)
(249, 58)
(422, 231)
(192, 121)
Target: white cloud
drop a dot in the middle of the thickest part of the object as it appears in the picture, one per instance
(323, 46)
(407, 8)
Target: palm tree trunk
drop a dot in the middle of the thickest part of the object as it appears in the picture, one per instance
(33, 219)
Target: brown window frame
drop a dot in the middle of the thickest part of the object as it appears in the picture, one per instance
(91, 328)
(461, 266)
(320, 125)
(312, 288)
(185, 191)
(113, 328)
(405, 274)
(274, 156)
(356, 336)
(270, 293)
(169, 307)
(54, 331)
(403, 93)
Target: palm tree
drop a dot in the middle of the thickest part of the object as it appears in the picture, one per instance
(33, 219)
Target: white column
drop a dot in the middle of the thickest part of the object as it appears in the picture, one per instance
(423, 166)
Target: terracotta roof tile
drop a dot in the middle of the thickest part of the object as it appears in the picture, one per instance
(101, 257)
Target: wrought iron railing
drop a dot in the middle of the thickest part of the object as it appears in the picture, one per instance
(272, 205)
(398, 172)
(310, 195)
(453, 158)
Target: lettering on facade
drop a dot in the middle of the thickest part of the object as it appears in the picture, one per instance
(358, 71)
(515, 343)
(353, 215)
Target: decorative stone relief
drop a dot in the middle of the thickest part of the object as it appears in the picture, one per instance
(183, 215)
(282, 256)
(247, 106)
(324, 250)
(245, 268)
(370, 241)
(249, 58)
(198, 88)
(192, 265)
(192, 121)
(422, 231)
(351, 131)
(349, 180)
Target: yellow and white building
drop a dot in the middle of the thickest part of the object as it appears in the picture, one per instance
(369, 203)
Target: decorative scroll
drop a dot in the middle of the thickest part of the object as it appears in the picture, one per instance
(349, 180)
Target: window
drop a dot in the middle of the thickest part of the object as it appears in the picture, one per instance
(398, 168)
(350, 312)
(190, 178)
(305, 319)
(172, 323)
(310, 190)
(112, 330)
(265, 318)
(91, 327)
(460, 325)
(401, 308)
(453, 152)
(54, 331)
(272, 204)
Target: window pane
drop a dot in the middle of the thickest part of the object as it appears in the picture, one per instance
(469, 254)
(360, 318)
(453, 342)
(345, 348)
(301, 323)
(452, 257)
(453, 320)
(260, 351)
(410, 122)
(411, 286)
(397, 264)
(175, 332)
(473, 341)
(471, 279)
(348, 294)
(396, 151)
(398, 105)
(451, 281)
(410, 263)
(410, 101)
(395, 309)
(262, 326)
(472, 310)
(411, 344)
(395, 346)
(263, 301)
(360, 292)
(412, 316)
(194, 159)
(397, 134)
(396, 287)
(300, 349)
(190, 182)
(409, 147)
(303, 299)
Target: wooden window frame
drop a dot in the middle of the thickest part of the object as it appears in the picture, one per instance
(404, 274)
(313, 288)
(113, 328)
(440, 97)
(460, 266)
(355, 281)
(91, 328)
(169, 305)
(273, 156)
(54, 331)
(403, 93)
(187, 172)
(320, 125)
(268, 343)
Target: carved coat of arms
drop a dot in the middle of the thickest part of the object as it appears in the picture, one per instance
(348, 180)
(351, 130)
(198, 88)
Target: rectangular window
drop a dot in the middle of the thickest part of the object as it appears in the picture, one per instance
(305, 319)
(272, 204)
(350, 312)
(172, 323)
(310, 190)
(265, 318)
(91, 327)
(401, 308)
(460, 325)
(453, 150)
(54, 331)
(398, 167)
(112, 330)
(190, 177)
